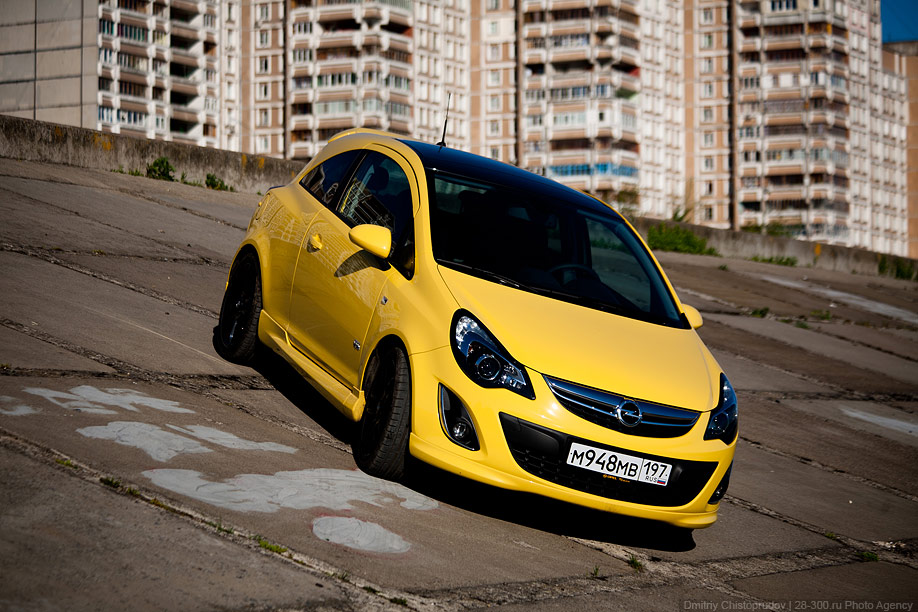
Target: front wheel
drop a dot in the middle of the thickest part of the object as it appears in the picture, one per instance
(381, 444)
(236, 335)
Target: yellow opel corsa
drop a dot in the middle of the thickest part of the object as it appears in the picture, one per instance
(487, 321)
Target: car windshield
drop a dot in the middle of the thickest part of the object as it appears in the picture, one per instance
(545, 244)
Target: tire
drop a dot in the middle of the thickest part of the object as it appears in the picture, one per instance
(381, 444)
(236, 334)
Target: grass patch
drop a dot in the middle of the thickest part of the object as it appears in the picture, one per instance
(110, 482)
(161, 169)
(896, 267)
(723, 267)
(780, 261)
(219, 527)
(132, 492)
(761, 313)
(63, 462)
(212, 181)
(822, 315)
(371, 590)
(275, 548)
(595, 572)
(636, 564)
(399, 601)
(679, 240)
(866, 555)
(831, 535)
(163, 505)
(801, 324)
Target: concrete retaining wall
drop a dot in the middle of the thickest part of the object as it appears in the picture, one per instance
(48, 142)
(30, 140)
(746, 245)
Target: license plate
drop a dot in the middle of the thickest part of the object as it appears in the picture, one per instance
(619, 464)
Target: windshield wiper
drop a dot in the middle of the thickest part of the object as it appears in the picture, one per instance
(500, 278)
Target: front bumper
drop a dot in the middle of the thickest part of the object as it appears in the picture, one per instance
(524, 444)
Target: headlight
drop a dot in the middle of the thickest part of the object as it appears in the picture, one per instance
(484, 360)
(723, 423)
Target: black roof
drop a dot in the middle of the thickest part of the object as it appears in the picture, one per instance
(453, 161)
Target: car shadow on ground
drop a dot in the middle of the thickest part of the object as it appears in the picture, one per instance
(545, 514)
(301, 394)
(525, 509)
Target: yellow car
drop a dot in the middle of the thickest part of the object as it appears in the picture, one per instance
(488, 321)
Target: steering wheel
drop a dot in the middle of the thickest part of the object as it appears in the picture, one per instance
(576, 268)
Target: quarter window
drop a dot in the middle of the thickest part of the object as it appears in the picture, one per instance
(324, 181)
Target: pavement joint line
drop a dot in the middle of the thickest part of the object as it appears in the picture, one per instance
(831, 470)
(133, 194)
(78, 214)
(46, 256)
(197, 260)
(361, 592)
(657, 573)
(889, 549)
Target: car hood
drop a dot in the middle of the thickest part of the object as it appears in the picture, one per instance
(589, 347)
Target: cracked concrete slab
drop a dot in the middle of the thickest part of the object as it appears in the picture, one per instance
(18, 350)
(836, 503)
(109, 550)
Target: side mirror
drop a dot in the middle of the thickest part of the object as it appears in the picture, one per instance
(373, 238)
(693, 316)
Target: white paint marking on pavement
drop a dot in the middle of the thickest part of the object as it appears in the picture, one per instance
(888, 423)
(86, 398)
(354, 533)
(20, 410)
(223, 438)
(161, 445)
(315, 488)
(849, 298)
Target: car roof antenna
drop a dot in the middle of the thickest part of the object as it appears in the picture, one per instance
(442, 142)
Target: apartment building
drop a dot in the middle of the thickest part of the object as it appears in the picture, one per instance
(907, 55)
(819, 116)
(770, 115)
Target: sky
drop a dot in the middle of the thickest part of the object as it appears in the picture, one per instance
(900, 20)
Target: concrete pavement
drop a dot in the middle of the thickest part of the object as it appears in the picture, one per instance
(138, 466)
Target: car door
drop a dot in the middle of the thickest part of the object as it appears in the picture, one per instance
(337, 285)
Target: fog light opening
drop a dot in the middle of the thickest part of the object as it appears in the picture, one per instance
(721, 489)
(456, 422)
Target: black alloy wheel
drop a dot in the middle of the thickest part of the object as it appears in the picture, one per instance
(381, 445)
(236, 335)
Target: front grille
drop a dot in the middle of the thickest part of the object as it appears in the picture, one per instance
(542, 452)
(659, 421)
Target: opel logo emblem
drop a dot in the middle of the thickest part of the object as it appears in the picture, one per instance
(629, 414)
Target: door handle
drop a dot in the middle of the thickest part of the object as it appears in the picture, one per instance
(315, 242)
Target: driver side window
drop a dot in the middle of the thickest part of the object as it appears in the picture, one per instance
(380, 194)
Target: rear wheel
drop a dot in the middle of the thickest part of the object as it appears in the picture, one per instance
(236, 335)
(381, 444)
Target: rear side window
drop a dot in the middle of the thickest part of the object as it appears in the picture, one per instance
(325, 181)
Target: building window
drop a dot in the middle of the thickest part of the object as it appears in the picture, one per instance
(495, 153)
(494, 78)
(707, 65)
(494, 103)
(708, 188)
(493, 128)
(262, 144)
(264, 39)
(492, 28)
(264, 117)
(264, 12)
(708, 139)
(707, 16)
(709, 163)
(302, 56)
(707, 114)
(262, 91)
(707, 41)
(263, 66)
(302, 28)
(493, 5)
(494, 52)
(707, 90)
